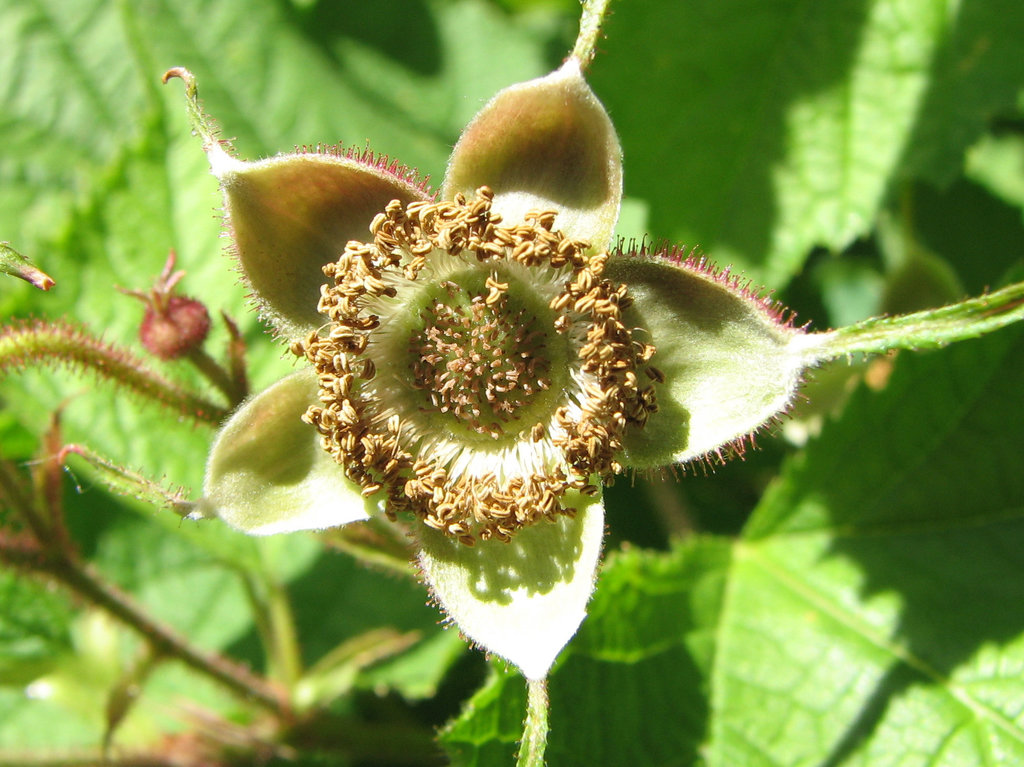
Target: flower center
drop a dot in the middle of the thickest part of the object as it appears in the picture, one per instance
(479, 359)
(474, 373)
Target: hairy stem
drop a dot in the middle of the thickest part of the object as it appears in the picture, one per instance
(201, 124)
(60, 343)
(535, 728)
(124, 481)
(922, 330)
(592, 18)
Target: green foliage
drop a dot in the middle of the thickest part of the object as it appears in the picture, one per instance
(875, 588)
(866, 611)
(758, 130)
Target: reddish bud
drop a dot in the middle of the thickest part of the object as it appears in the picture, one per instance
(174, 329)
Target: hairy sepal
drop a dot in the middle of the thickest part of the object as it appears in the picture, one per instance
(731, 359)
(545, 144)
(266, 472)
(289, 215)
(525, 599)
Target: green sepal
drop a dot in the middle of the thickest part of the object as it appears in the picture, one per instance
(289, 215)
(525, 599)
(267, 474)
(731, 360)
(548, 144)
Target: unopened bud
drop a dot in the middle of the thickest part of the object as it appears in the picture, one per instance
(175, 329)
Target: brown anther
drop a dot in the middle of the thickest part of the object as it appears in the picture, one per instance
(478, 360)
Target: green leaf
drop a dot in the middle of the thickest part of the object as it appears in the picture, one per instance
(878, 581)
(997, 162)
(34, 629)
(417, 674)
(758, 130)
(876, 585)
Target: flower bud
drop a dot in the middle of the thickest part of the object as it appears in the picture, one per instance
(173, 325)
(174, 329)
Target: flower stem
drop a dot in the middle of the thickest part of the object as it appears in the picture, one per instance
(535, 728)
(62, 343)
(590, 28)
(215, 373)
(922, 330)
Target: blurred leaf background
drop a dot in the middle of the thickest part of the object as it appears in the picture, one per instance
(851, 593)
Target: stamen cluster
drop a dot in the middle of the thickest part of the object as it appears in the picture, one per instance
(479, 361)
(475, 373)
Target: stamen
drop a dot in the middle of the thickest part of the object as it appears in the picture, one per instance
(474, 373)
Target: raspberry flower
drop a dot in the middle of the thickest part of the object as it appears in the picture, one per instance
(481, 360)
(475, 357)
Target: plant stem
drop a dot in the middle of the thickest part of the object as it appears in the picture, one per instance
(535, 728)
(57, 561)
(216, 375)
(83, 580)
(13, 495)
(922, 330)
(275, 622)
(591, 20)
(62, 343)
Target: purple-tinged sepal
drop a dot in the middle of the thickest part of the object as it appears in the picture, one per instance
(546, 144)
(729, 359)
(287, 216)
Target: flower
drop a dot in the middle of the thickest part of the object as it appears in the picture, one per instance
(481, 359)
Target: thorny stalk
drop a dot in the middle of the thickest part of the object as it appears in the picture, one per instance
(64, 344)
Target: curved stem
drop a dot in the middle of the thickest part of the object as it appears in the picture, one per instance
(591, 20)
(62, 343)
(201, 124)
(535, 728)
